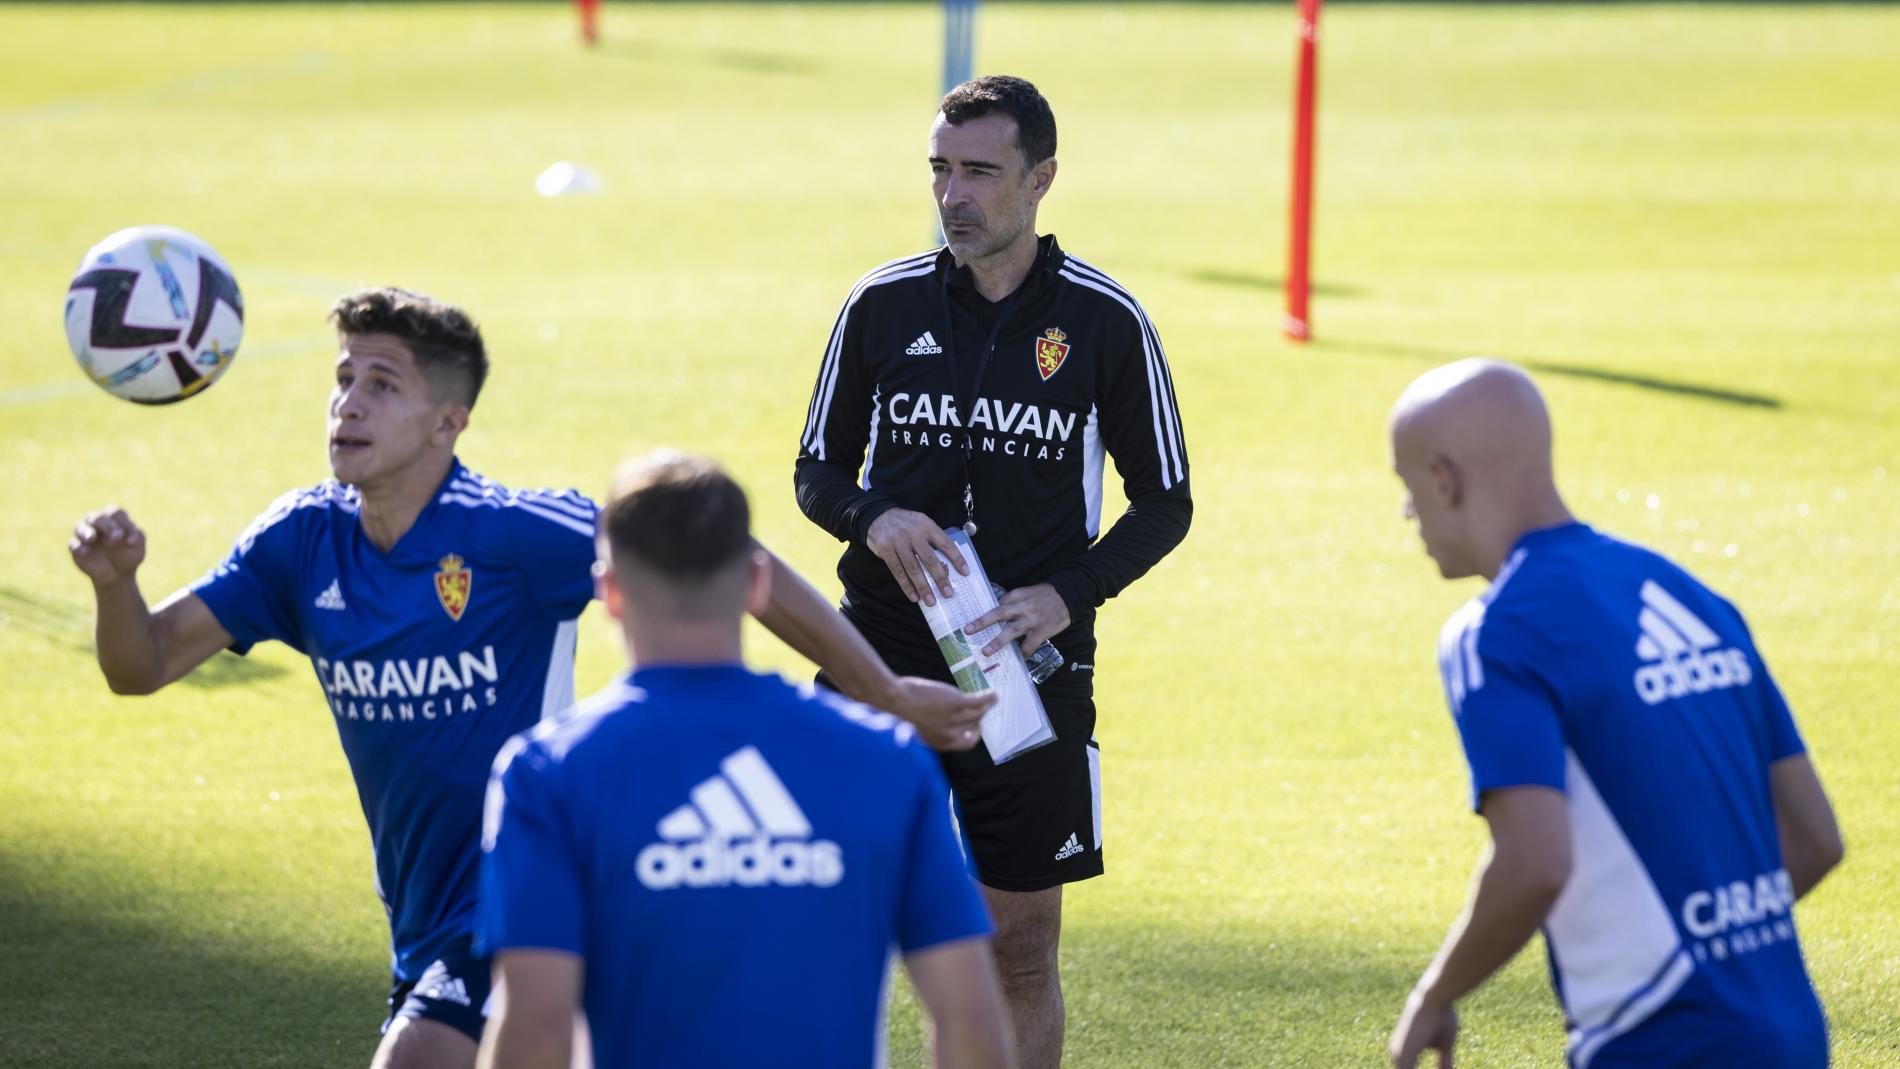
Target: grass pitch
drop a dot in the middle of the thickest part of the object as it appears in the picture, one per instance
(1682, 218)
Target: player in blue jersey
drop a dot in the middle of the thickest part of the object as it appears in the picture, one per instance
(1650, 803)
(685, 857)
(438, 609)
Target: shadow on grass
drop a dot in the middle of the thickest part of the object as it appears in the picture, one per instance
(1180, 993)
(1699, 391)
(751, 60)
(104, 970)
(58, 623)
(1269, 283)
(228, 669)
(68, 626)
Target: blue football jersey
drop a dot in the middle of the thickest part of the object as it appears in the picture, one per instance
(734, 858)
(430, 657)
(1603, 670)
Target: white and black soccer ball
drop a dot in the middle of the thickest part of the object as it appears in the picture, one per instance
(154, 315)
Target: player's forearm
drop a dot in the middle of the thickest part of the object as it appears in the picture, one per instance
(1146, 532)
(129, 647)
(1807, 865)
(804, 620)
(1811, 843)
(1809, 859)
(957, 984)
(1507, 906)
(514, 1043)
(972, 1044)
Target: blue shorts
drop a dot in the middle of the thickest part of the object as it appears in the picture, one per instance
(453, 990)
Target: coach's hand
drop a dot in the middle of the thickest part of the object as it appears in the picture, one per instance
(1034, 614)
(1423, 1026)
(947, 718)
(107, 546)
(905, 541)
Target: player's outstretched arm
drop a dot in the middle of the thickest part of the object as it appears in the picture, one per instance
(947, 718)
(1518, 882)
(537, 994)
(957, 984)
(1810, 839)
(140, 649)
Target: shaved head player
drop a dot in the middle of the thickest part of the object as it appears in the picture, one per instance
(1651, 805)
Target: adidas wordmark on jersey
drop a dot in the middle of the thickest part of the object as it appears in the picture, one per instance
(742, 827)
(1688, 654)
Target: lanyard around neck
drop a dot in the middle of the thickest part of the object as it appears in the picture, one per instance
(965, 404)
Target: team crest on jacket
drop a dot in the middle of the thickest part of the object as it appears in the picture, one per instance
(1051, 350)
(452, 584)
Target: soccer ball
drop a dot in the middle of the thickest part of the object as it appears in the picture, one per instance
(154, 315)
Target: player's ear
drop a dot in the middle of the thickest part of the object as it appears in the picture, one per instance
(1041, 177)
(450, 421)
(606, 589)
(758, 585)
(1447, 481)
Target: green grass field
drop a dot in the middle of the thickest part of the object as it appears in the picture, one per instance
(1684, 219)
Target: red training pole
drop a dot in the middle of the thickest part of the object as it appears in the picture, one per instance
(590, 20)
(1298, 325)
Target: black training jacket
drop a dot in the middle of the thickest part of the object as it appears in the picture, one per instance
(1071, 369)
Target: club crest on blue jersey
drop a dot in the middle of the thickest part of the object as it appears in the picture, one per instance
(1051, 350)
(453, 582)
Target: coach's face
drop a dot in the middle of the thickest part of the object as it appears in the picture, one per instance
(383, 418)
(986, 194)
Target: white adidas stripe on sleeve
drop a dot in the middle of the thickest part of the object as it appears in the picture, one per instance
(820, 409)
(1167, 423)
(452, 497)
(1158, 356)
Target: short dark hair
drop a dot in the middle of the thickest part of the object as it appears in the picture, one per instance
(446, 343)
(1014, 97)
(679, 517)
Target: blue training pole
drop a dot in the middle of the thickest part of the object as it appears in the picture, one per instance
(959, 41)
(959, 55)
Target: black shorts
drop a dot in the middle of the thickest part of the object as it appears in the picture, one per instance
(1035, 821)
(452, 990)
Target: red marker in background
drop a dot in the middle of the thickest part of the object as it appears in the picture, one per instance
(1298, 324)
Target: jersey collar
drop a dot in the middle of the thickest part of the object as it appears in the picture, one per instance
(456, 470)
(1049, 259)
(1550, 536)
(672, 678)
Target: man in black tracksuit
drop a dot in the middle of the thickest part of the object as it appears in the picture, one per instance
(985, 383)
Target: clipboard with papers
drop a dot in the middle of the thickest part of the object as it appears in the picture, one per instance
(1017, 723)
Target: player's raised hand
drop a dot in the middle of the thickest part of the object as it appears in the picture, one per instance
(107, 545)
(907, 542)
(947, 718)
